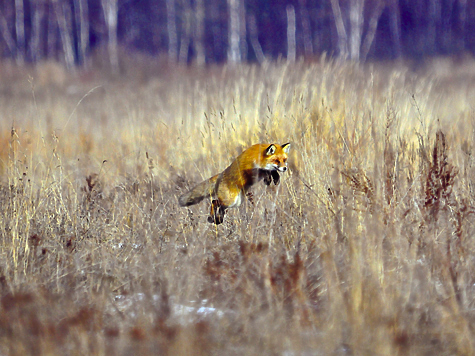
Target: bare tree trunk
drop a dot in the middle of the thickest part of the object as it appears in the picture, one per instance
(199, 32)
(66, 39)
(253, 33)
(395, 26)
(242, 31)
(185, 33)
(291, 43)
(172, 34)
(434, 15)
(307, 32)
(20, 31)
(373, 25)
(462, 22)
(7, 36)
(215, 19)
(356, 28)
(446, 32)
(234, 53)
(111, 13)
(38, 11)
(52, 22)
(340, 28)
(82, 24)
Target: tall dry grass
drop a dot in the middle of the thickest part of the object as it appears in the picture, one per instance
(364, 249)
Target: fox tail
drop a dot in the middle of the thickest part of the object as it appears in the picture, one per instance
(199, 192)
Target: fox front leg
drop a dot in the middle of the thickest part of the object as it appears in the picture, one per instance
(217, 212)
(275, 177)
(267, 177)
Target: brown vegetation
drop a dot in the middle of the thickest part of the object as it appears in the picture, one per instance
(365, 248)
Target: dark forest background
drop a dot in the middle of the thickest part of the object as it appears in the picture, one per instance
(214, 31)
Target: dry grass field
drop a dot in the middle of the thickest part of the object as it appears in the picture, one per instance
(365, 248)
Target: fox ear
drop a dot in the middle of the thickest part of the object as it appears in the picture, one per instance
(270, 150)
(286, 147)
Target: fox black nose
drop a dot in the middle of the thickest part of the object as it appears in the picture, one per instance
(284, 169)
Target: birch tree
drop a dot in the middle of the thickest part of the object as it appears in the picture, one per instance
(351, 43)
(356, 28)
(199, 32)
(20, 30)
(306, 28)
(395, 26)
(63, 17)
(242, 31)
(291, 42)
(371, 32)
(6, 34)
(82, 30)
(462, 22)
(254, 35)
(35, 48)
(111, 14)
(187, 25)
(172, 32)
(234, 51)
(340, 28)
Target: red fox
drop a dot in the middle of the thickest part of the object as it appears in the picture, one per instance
(227, 189)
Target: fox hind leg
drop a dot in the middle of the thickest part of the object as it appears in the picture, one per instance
(217, 212)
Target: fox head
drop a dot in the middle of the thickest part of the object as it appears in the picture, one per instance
(276, 157)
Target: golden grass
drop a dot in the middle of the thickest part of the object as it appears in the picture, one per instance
(365, 248)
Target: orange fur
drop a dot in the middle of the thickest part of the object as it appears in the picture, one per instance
(227, 189)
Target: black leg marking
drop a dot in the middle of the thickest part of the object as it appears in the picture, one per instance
(275, 177)
(217, 212)
(267, 177)
(250, 197)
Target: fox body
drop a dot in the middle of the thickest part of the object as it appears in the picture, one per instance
(227, 189)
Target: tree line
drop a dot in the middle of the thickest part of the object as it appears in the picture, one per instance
(214, 31)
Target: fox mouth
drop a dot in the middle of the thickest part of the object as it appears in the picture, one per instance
(274, 167)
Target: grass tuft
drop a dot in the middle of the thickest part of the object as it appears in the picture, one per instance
(364, 248)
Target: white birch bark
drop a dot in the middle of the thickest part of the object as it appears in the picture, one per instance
(6, 34)
(20, 31)
(111, 12)
(185, 33)
(242, 31)
(172, 32)
(291, 42)
(66, 40)
(199, 32)
(340, 28)
(306, 29)
(370, 34)
(254, 35)
(395, 27)
(82, 25)
(234, 53)
(462, 22)
(36, 33)
(356, 28)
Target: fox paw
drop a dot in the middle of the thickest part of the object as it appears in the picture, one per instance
(216, 219)
(250, 197)
(217, 212)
